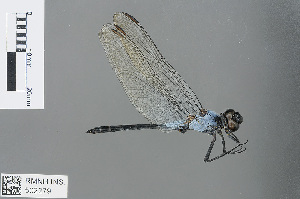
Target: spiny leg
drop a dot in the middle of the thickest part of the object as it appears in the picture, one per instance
(206, 158)
(223, 141)
(236, 149)
(223, 154)
(234, 138)
(241, 148)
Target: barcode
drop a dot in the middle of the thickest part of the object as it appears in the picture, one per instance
(34, 186)
(11, 185)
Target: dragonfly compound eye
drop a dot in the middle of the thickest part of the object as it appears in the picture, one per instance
(237, 117)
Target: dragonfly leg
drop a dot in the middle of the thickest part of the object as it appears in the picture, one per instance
(237, 149)
(233, 137)
(223, 141)
(206, 158)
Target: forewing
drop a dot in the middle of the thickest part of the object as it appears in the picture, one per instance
(150, 82)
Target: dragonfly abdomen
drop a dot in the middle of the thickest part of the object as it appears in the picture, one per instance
(106, 129)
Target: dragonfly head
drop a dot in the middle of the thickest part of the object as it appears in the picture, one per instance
(232, 120)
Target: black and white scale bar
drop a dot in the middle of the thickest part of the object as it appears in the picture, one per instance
(11, 71)
(16, 51)
(21, 42)
(21, 49)
(21, 26)
(21, 35)
(21, 32)
(22, 19)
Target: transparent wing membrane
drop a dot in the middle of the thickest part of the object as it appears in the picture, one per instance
(150, 82)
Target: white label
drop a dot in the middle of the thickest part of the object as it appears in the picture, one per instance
(22, 54)
(34, 185)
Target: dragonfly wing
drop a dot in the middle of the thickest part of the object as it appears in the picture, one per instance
(150, 82)
(177, 86)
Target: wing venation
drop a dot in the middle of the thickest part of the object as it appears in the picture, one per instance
(150, 82)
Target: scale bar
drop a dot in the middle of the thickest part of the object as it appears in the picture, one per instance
(21, 26)
(22, 86)
(21, 42)
(21, 49)
(21, 34)
(11, 71)
(22, 19)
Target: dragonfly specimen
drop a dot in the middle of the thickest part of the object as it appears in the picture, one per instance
(157, 91)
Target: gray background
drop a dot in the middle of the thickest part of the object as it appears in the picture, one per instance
(237, 54)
